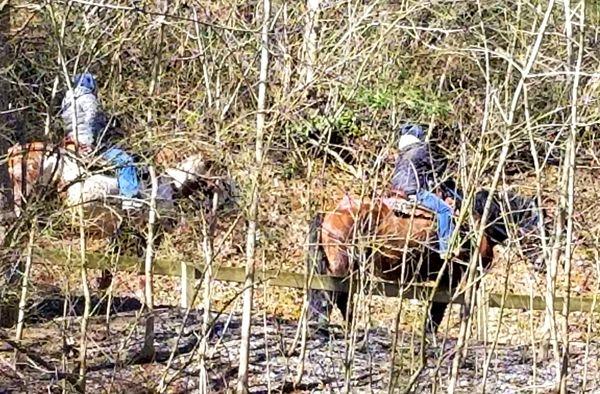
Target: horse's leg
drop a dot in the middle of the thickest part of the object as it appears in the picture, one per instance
(449, 281)
(343, 301)
(104, 281)
(437, 310)
(106, 277)
(319, 307)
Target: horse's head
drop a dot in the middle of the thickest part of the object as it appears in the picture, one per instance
(523, 214)
(529, 220)
(533, 226)
(191, 180)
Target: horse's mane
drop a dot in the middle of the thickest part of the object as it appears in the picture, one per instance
(506, 206)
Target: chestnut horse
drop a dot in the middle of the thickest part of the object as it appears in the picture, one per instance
(393, 239)
(38, 169)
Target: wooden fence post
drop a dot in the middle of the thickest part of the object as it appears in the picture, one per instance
(482, 312)
(188, 282)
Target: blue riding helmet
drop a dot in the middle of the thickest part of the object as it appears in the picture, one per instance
(85, 80)
(414, 130)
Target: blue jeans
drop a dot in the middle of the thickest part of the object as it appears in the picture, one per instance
(444, 216)
(129, 184)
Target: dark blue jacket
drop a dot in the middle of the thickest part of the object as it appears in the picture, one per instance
(415, 168)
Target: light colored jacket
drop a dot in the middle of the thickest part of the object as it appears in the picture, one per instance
(86, 113)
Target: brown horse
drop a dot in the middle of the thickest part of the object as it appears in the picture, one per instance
(392, 238)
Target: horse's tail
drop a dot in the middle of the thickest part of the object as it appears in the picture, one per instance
(316, 263)
(315, 257)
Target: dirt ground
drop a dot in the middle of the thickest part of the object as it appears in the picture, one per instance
(330, 365)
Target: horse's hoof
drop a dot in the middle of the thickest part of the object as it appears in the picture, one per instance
(362, 341)
(322, 330)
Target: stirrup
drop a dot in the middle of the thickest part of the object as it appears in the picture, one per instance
(130, 204)
(402, 206)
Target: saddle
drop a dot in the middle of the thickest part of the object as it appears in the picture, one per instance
(403, 205)
(98, 164)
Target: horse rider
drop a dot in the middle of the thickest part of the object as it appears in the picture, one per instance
(85, 123)
(414, 174)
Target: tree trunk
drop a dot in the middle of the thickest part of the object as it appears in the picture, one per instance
(509, 121)
(253, 211)
(5, 189)
(310, 42)
(574, 62)
(148, 350)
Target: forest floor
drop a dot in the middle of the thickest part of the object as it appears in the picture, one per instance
(514, 365)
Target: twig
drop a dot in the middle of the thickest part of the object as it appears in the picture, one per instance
(24, 288)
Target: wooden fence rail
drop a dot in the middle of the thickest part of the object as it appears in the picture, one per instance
(190, 271)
